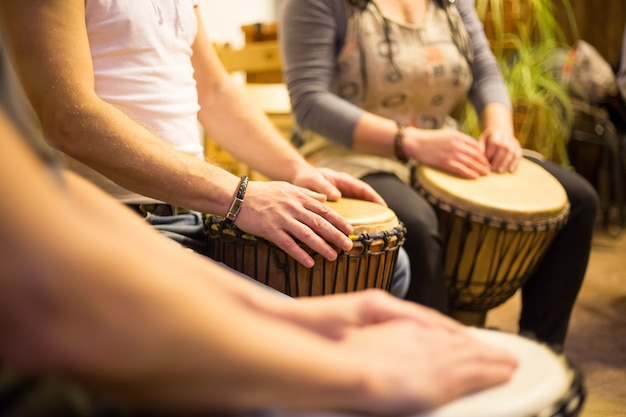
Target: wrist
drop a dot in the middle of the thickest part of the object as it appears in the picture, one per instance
(240, 192)
(399, 143)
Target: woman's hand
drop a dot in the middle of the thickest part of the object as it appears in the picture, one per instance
(498, 141)
(447, 149)
(501, 148)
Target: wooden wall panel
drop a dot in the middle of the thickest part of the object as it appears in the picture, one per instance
(600, 22)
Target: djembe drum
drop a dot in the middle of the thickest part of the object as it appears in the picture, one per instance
(545, 384)
(378, 235)
(495, 230)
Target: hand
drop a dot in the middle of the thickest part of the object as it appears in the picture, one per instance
(430, 358)
(447, 149)
(501, 148)
(284, 214)
(335, 315)
(412, 368)
(334, 184)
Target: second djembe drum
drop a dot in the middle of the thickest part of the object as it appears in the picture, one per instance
(495, 230)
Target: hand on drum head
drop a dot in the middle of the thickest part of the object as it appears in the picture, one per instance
(335, 184)
(411, 368)
(283, 213)
(502, 148)
(447, 149)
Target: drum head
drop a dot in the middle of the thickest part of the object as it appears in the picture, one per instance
(541, 380)
(528, 194)
(365, 216)
(543, 385)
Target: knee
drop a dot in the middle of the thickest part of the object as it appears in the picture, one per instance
(422, 224)
(402, 275)
(584, 201)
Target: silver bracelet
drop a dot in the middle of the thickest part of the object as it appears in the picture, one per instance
(235, 207)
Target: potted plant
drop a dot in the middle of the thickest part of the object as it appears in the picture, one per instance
(523, 35)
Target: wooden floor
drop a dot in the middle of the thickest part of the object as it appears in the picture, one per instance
(596, 341)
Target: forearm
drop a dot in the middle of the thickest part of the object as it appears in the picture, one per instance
(497, 115)
(50, 50)
(136, 317)
(239, 126)
(108, 141)
(233, 121)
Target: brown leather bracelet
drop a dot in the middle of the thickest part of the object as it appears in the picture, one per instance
(397, 144)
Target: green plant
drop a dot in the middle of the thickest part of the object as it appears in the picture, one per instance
(533, 20)
(523, 35)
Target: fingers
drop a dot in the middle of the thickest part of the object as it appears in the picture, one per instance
(316, 227)
(430, 366)
(502, 149)
(466, 158)
(316, 180)
(352, 187)
(378, 306)
(455, 152)
(286, 215)
(478, 366)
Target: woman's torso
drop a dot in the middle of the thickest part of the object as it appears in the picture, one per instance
(409, 70)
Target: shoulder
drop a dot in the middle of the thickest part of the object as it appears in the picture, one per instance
(465, 5)
(313, 11)
(467, 11)
(314, 5)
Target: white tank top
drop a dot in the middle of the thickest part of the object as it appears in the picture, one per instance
(141, 52)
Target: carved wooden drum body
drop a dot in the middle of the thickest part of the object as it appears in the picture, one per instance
(495, 229)
(378, 235)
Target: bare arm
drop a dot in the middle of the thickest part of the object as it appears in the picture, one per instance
(498, 139)
(146, 323)
(48, 41)
(241, 128)
(136, 317)
(49, 46)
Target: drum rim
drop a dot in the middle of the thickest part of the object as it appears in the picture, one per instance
(222, 224)
(424, 179)
(556, 221)
(572, 398)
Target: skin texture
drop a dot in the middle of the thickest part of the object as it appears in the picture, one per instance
(147, 323)
(76, 121)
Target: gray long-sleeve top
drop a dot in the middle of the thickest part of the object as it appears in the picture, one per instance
(312, 35)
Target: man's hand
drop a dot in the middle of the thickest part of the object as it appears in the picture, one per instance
(285, 214)
(431, 358)
(335, 315)
(334, 185)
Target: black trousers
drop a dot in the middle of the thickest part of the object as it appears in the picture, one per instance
(551, 291)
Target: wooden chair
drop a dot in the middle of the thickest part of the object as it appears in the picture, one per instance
(260, 62)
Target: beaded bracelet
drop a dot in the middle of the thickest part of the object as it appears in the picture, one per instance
(397, 143)
(238, 201)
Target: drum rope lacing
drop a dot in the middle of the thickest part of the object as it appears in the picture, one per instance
(520, 225)
(492, 288)
(229, 234)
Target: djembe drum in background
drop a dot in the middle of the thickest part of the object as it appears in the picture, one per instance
(495, 230)
(378, 235)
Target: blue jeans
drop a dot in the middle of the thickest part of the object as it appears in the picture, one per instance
(188, 229)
